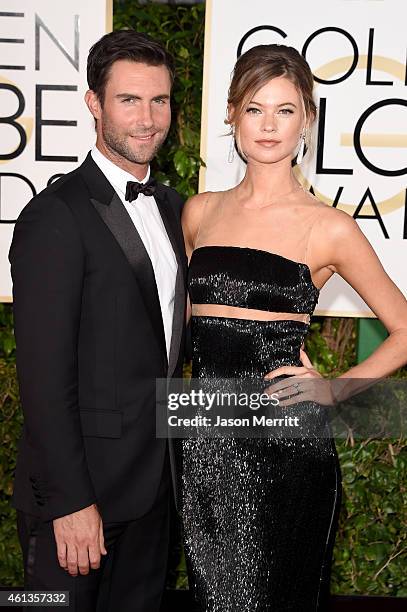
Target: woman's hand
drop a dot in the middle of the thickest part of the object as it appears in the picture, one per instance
(302, 385)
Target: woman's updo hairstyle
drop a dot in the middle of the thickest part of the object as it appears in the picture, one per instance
(257, 67)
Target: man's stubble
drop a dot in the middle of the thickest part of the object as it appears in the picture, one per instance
(118, 144)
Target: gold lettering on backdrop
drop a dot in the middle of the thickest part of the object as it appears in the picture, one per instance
(395, 69)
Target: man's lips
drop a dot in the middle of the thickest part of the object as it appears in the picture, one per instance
(144, 137)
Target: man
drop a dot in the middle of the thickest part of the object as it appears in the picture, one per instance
(98, 266)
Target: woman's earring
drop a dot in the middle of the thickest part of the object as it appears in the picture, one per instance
(231, 154)
(301, 150)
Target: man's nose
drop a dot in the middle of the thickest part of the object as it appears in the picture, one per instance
(146, 117)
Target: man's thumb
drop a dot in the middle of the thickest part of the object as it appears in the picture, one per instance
(102, 540)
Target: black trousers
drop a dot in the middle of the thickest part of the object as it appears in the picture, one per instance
(132, 575)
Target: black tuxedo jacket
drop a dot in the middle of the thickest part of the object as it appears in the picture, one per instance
(90, 344)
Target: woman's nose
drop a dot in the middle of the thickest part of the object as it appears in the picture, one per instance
(269, 122)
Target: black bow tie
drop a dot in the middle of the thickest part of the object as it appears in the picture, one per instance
(133, 188)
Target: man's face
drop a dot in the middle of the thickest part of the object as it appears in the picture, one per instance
(135, 117)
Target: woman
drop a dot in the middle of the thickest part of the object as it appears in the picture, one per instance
(259, 515)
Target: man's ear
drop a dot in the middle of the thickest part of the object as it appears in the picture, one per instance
(93, 103)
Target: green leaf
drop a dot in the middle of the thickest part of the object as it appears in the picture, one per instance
(183, 52)
(182, 163)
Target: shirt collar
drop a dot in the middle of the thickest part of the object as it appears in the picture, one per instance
(117, 177)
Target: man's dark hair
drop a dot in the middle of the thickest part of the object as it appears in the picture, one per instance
(127, 45)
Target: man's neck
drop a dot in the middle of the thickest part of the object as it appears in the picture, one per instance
(139, 171)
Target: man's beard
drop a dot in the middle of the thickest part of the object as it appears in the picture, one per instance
(120, 146)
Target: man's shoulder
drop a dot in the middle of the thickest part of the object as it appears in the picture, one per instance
(72, 181)
(172, 195)
(68, 191)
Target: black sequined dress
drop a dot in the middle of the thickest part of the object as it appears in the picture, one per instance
(259, 515)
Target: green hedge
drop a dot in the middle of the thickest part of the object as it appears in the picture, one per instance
(181, 29)
(10, 427)
(371, 544)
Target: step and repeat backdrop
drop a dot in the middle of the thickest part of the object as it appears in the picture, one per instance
(45, 128)
(356, 49)
(357, 52)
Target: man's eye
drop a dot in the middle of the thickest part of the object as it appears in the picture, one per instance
(129, 100)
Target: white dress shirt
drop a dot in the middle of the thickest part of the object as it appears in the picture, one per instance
(147, 219)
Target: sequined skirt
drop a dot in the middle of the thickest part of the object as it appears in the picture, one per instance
(259, 515)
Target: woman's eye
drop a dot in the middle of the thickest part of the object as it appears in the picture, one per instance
(286, 111)
(252, 110)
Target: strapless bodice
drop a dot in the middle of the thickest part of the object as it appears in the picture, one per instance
(250, 278)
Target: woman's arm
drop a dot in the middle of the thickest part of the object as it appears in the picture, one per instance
(353, 257)
(340, 246)
(192, 214)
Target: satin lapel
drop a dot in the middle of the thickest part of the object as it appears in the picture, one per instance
(173, 231)
(122, 227)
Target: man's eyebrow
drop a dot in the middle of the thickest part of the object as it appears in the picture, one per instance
(136, 97)
(128, 95)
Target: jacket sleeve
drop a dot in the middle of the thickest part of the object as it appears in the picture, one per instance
(47, 265)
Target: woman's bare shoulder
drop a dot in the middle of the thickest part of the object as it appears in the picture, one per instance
(334, 222)
(195, 205)
(199, 199)
(193, 213)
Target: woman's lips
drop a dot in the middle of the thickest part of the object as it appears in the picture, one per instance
(268, 144)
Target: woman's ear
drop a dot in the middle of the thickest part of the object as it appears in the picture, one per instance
(230, 114)
(310, 119)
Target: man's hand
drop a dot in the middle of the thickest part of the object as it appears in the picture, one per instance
(80, 541)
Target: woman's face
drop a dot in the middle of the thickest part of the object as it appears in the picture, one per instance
(270, 129)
